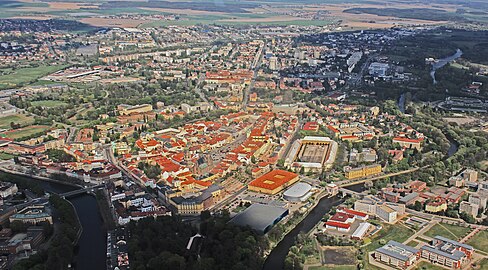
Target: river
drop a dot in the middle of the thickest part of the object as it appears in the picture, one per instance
(442, 62)
(90, 253)
(401, 103)
(276, 259)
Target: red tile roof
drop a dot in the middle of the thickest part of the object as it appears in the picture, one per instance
(338, 224)
(273, 179)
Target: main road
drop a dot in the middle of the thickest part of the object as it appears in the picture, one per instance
(255, 67)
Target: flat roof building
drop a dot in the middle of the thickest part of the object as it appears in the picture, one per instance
(298, 192)
(260, 217)
(361, 231)
(397, 254)
(273, 182)
(447, 252)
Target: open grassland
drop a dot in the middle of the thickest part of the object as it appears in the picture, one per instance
(16, 118)
(428, 266)
(48, 103)
(5, 156)
(479, 241)
(24, 76)
(449, 231)
(397, 232)
(334, 267)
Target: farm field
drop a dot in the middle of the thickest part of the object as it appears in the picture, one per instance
(23, 76)
(16, 118)
(449, 231)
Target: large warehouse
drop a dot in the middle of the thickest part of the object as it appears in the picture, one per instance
(298, 192)
(273, 182)
(260, 217)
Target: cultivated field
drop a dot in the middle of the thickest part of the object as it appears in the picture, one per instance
(231, 12)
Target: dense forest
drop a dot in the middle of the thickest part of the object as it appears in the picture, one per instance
(161, 243)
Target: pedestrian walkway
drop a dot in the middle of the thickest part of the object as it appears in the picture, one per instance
(471, 234)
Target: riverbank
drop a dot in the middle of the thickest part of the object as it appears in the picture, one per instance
(442, 62)
(41, 178)
(277, 256)
(90, 252)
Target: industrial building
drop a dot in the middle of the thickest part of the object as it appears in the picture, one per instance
(298, 192)
(260, 217)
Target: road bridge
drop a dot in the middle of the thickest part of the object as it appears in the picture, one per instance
(81, 191)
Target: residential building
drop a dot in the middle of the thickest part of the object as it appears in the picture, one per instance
(469, 208)
(397, 255)
(386, 213)
(447, 252)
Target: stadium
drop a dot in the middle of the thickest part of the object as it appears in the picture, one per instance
(312, 154)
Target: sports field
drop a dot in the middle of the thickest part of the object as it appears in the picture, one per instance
(313, 153)
(16, 118)
(23, 76)
(25, 132)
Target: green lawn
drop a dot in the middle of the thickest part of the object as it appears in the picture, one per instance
(48, 103)
(5, 156)
(479, 241)
(396, 232)
(449, 231)
(24, 132)
(483, 264)
(16, 118)
(23, 76)
(412, 243)
(428, 266)
(337, 267)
